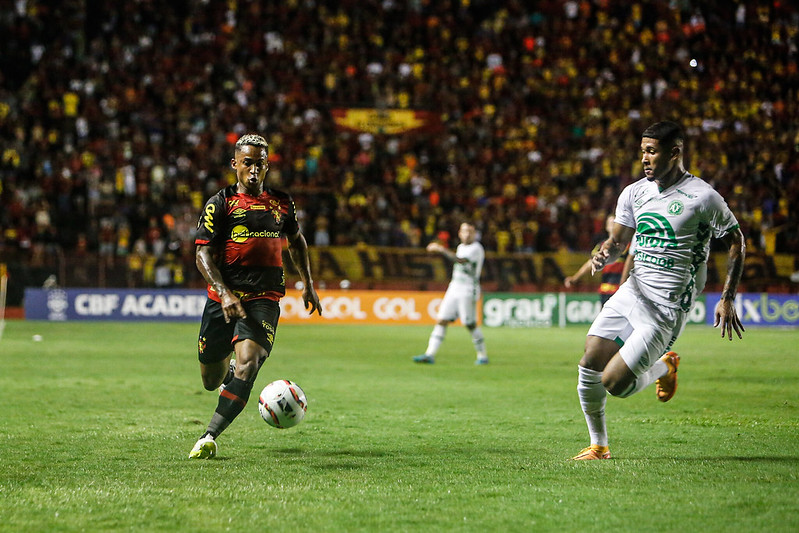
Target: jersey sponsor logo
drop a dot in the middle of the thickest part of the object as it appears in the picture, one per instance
(692, 196)
(239, 234)
(675, 208)
(662, 262)
(208, 217)
(239, 212)
(654, 231)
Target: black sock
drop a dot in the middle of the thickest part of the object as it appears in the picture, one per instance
(231, 402)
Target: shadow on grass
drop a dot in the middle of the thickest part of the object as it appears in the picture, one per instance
(413, 458)
(744, 459)
(405, 453)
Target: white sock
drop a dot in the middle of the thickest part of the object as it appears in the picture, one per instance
(436, 338)
(593, 397)
(479, 343)
(655, 372)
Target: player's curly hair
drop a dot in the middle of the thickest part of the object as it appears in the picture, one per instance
(252, 139)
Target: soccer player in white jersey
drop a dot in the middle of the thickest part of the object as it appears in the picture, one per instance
(671, 215)
(463, 293)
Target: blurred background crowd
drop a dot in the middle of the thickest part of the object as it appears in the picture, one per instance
(117, 119)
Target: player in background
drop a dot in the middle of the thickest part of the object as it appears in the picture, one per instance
(612, 273)
(463, 293)
(672, 215)
(239, 253)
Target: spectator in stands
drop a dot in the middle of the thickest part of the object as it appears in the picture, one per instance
(536, 100)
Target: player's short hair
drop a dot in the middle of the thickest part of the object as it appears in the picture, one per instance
(667, 132)
(252, 139)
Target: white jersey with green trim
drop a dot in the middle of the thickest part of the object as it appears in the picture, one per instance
(466, 276)
(672, 236)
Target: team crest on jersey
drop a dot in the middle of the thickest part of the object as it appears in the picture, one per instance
(675, 208)
(274, 208)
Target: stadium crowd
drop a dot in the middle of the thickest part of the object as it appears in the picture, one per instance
(117, 118)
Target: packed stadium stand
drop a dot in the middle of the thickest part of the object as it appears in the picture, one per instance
(117, 121)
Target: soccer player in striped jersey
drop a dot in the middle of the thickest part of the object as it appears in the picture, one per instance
(240, 254)
(671, 215)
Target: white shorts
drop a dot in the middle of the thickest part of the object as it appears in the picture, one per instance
(645, 331)
(459, 304)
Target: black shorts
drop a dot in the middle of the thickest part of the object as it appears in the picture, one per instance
(217, 337)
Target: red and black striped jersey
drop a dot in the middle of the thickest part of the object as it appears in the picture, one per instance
(246, 233)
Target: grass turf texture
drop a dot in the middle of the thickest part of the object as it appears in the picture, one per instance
(98, 419)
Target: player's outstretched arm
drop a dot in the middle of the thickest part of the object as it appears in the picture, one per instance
(620, 237)
(726, 317)
(231, 305)
(437, 248)
(298, 250)
(568, 281)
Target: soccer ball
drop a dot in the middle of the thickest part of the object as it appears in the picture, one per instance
(282, 404)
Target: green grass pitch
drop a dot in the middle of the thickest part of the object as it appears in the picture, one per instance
(97, 419)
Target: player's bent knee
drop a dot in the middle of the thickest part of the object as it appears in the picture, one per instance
(617, 387)
(592, 362)
(622, 392)
(598, 353)
(212, 384)
(212, 375)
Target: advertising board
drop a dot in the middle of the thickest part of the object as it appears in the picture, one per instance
(761, 309)
(382, 307)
